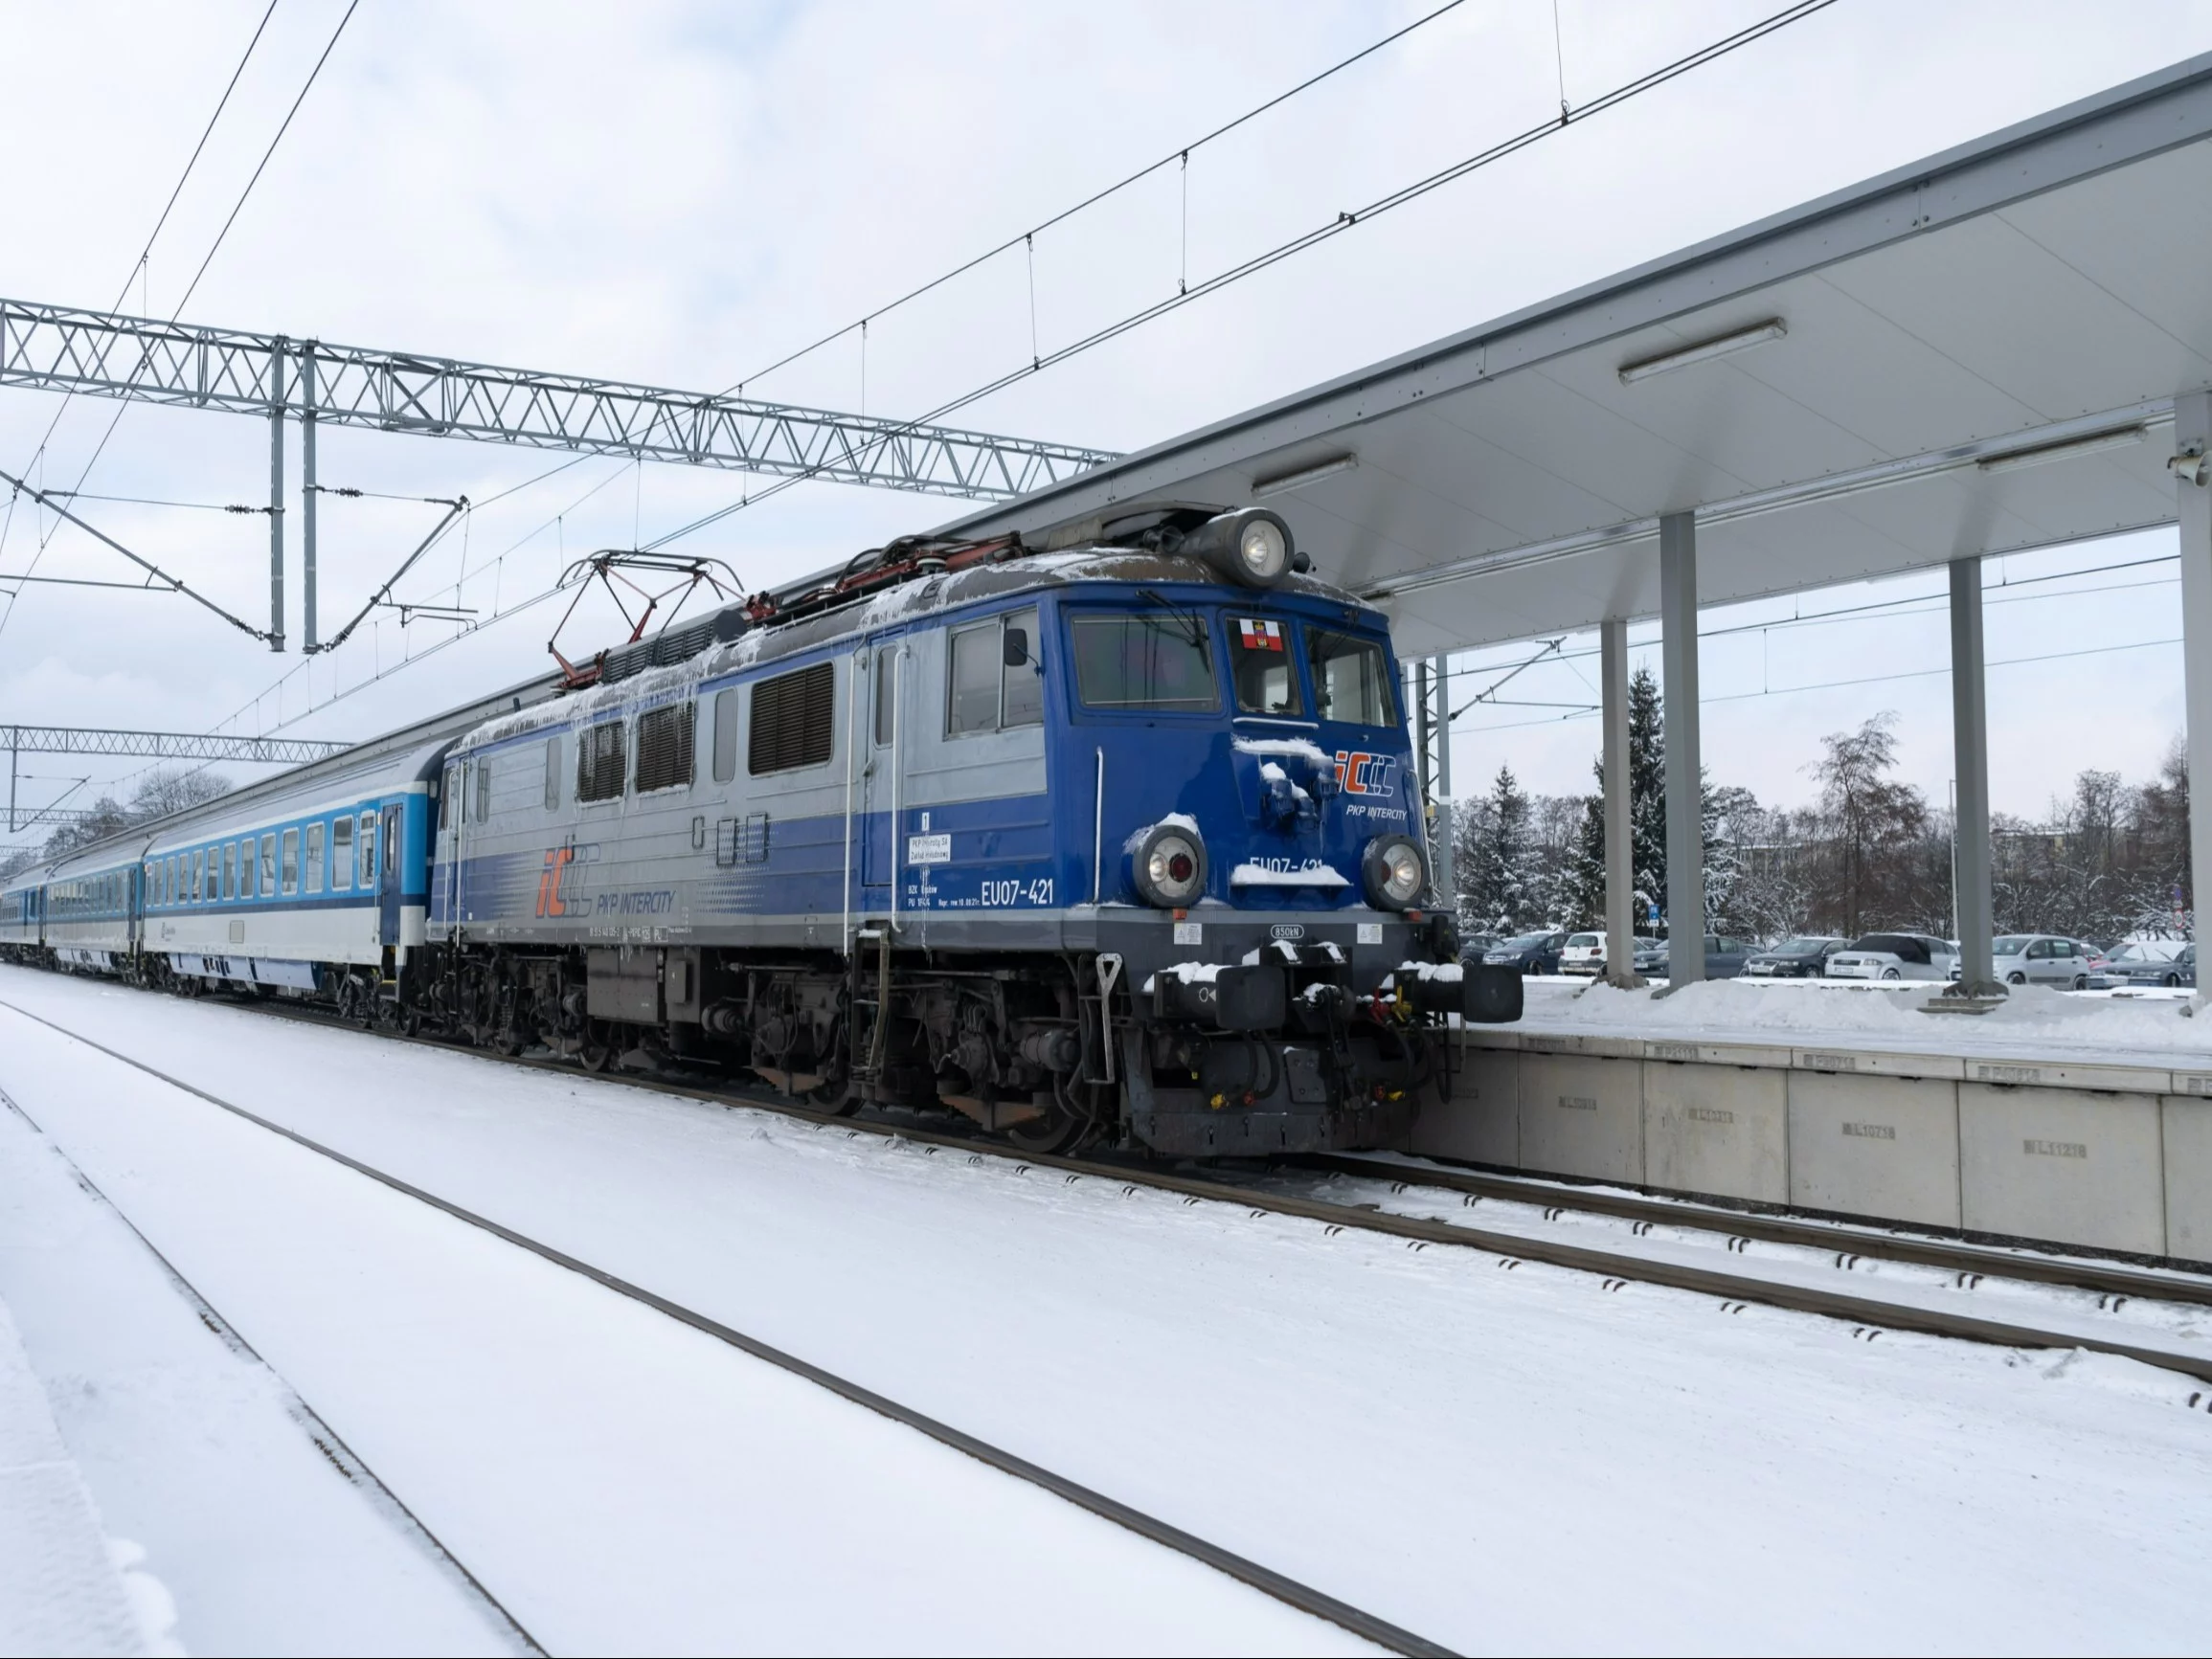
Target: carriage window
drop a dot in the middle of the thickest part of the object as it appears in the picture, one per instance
(315, 857)
(1350, 681)
(726, 734)
(292, 866)
(886, 693)
(246, 868)
(269, 863)
(342, 853)
(481, 770)
(392, 844)
(793, 720)
(1145, 662)
(368, 846)
(196, 888)
(665, 737)
(1259, 664)
(600, 761)
(230, 871)
(552, 773)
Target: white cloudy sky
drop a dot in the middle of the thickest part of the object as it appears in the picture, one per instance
(680, 195)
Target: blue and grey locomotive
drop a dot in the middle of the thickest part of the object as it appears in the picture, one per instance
(1115, 841)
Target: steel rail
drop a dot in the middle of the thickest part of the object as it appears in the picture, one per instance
(1842, 1238)
(1287, 1590)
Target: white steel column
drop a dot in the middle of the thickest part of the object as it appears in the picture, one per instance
(1970, 760)
(2193, 438)
(276, 497)
(1447, 808)
(308, 498)
(1620, 842)
(1686, 773)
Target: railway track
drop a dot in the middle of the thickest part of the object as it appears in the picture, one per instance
(1868, 1315)
(1287, 1590)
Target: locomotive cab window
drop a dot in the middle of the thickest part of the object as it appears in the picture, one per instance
(794, 720)
(665, 738)
(1157, 662)
(885, 694)
(342, 853)
(1351, 681)
(995, 682)
(1261, 669)
(601, 761)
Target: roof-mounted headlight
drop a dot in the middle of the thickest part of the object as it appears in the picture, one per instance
(1393, 872)
(1169, 866)
(1251, 546)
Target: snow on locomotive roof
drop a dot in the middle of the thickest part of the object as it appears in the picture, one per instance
(771, 640)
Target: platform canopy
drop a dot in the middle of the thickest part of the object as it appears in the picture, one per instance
(1976, 354)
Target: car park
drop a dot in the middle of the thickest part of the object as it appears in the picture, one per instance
(1883, 956)
(2042, 959)
(1530, 952)
(2146, 963)
(1725, 957)
(1803, 958)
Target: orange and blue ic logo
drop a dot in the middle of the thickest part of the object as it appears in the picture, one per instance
(1359, 774)
(549, 881)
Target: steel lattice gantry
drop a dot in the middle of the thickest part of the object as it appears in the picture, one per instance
(165, 745)
(64, 349)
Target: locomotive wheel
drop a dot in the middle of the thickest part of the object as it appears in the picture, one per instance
(839, 1097)
(1059, 1131)
(597, 1053)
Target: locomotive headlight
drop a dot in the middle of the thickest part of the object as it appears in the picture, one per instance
(1393, 872)
(1170, 866)
(1253, 547)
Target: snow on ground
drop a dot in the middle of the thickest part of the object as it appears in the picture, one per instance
(2034, 1021)
(270, 1542)
(1500, 1459)
(620, 1482)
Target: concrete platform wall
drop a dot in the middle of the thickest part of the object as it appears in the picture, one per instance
(2114, 1159)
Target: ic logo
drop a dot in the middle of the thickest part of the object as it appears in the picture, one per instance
(1287, 930)
(549, 902)
(1365, 773)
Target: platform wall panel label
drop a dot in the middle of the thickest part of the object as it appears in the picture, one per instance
(2061, 1164)
(1717, 1128)
(1884, 1147)
(1481, 1122)
(1582, 1115)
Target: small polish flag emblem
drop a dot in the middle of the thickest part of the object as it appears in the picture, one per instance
(1259, 635)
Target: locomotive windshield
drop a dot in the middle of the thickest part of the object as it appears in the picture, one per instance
(1350, 681)
(1133, 664)
(1260, 665)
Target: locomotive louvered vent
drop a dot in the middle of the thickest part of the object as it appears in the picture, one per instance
(665, 746)
(793, 720)
(674, 644)
(600, 762)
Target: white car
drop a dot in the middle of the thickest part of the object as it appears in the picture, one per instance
(1582, 954)
(1895, 957)
(2042, 959)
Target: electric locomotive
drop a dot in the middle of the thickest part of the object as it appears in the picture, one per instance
(1117, 840)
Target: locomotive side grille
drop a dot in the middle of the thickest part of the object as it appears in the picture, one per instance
(665, 746)
(600, 761)
(794, 718)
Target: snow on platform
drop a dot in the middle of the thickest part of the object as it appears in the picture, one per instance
(1498, 1459)
(2035, 1022)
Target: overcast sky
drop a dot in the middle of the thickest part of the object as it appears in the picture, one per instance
(684, 195)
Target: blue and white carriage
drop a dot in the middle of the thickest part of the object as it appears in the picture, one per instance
(1116, 840)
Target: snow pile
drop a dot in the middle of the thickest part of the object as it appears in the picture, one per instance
(64, 1588)
(2031, 1014)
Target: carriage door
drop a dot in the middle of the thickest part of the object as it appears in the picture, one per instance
(886, 687)
(388, 867)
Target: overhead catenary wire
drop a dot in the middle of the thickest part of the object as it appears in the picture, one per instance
(1344, 221)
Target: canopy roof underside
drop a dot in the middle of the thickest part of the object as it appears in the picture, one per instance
(2047, 284)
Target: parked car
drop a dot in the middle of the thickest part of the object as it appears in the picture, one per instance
(1803, 958)
(1582, 954)
(2136, 966)
(1725, 957)
(1530, 952)
(1474, 946)
(2042, 959)
(1895, 957)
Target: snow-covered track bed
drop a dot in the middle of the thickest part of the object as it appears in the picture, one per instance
(1289, 1591)
(1807, 1251)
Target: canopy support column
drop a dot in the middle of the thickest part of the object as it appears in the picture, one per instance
(276, 497)
(2193, 437)
(1619, 845)
(1970, 760)
(1686, 771)
(1447, 808)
